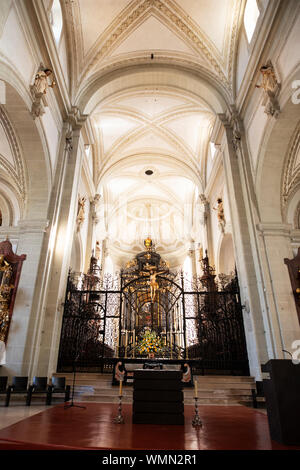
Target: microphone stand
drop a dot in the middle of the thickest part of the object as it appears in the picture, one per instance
(70, 405)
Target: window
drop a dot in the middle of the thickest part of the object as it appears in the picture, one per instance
(56, 20)
(250, 18)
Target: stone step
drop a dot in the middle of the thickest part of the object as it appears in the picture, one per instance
(98, 376)
(204, 386)
(127, 390)
(95, 387)
(201, 400)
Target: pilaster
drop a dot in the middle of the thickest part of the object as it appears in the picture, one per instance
(57, 248)
(30, 239)
(256, 321)
(276, 244)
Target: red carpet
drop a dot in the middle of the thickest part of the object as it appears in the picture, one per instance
(224, 428)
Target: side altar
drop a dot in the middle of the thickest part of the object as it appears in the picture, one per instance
(149, 312)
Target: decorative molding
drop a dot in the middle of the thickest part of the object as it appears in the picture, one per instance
(33, 226)
(275, 229)
(17, 174)
(291, 173)
(173, 16)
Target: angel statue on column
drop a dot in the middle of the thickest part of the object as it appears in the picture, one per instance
(220, 214)
(41, 81)
(81, 211)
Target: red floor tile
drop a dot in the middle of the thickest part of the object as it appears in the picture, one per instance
(224, 428)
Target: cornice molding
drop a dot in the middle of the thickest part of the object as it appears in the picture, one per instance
(33, 226)
(274, 229)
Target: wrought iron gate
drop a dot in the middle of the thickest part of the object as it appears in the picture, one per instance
(197, 319)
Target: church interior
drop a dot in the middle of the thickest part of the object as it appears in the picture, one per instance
(149, 224)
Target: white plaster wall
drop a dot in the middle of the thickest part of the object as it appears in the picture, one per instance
(16, 52)
(255, 133)
(242, 59)
(288, 57)
(62, 52)
(52, 135)
(14, 48)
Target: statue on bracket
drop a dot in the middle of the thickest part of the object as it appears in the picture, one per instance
(204, 210)
(220, 215)
(80, 211)
(98, 251)
(39, 89)
(271, 89)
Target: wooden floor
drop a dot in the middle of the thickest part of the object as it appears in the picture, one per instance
(224, 427)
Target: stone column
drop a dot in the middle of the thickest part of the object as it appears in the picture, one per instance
(55, 261)
(275, 246)
(256, 320)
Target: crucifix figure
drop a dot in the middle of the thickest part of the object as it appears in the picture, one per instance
(154, 286)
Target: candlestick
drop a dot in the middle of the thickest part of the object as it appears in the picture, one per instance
(196, 422)
(119, 419)
(196, 389)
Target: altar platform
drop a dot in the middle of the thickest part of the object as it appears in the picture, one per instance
(92, 428)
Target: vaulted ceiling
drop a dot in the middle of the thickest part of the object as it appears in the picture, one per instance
(158, 127)
(200, 32)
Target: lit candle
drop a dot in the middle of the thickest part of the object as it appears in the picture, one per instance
(120, 389)
(196, 389)
(133, 343)
(126, 342)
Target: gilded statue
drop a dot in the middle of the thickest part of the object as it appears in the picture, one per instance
(154, 286)
(5, 294)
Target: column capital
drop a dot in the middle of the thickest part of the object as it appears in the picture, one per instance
(275, 229)
(33, 226)
(76, 119)
(232, 121)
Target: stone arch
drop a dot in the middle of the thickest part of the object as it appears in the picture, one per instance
(226, 256)
(102, 85)
(33, 155)
(10, 204)
(274, 153)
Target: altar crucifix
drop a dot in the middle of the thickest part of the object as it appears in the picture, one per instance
(154, 286)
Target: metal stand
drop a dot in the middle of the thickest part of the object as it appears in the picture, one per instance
(119, 419)
(70, 405)
(196, 419)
